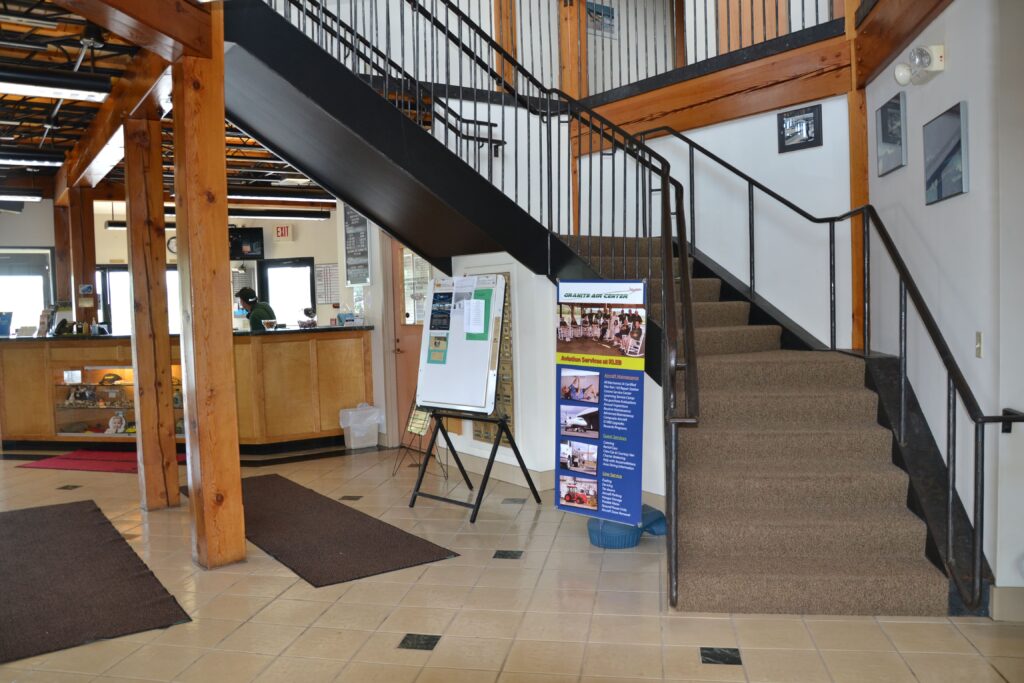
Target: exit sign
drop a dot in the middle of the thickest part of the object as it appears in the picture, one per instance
(283, 233)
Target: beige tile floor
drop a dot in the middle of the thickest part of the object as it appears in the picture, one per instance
(564, 612)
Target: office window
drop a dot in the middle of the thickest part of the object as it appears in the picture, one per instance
(26, 285)
(287, 285)
(114, 291)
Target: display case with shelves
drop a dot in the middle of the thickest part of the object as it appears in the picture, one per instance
(99, 401)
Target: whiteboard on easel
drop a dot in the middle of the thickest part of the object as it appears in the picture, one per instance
(461, 343)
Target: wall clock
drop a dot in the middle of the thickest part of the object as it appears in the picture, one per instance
(172, 245)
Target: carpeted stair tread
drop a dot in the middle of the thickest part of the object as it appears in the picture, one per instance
(710, 487)
(868, 585)
(809, 450)
(720, 313)
(778, 368)
(779, 406)
(737, 339)
(795, 533)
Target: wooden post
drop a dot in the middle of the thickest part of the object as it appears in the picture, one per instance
(82, 243)
(151, 340)
(680, 31)
(572, 48)
(207, 346)
(856, 103)
(62, 253)
(505, 35)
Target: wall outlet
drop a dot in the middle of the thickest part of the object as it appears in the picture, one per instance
(977, 344)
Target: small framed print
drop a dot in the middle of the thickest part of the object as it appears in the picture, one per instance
(891, 134)
(945, 155)
(799, 129)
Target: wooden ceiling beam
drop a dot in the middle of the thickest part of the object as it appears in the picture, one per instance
(170, 28)
(888, 29)
(101, 147)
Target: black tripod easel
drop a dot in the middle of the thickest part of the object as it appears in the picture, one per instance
(503, 431)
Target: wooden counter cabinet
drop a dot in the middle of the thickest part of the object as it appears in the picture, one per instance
(291, 385)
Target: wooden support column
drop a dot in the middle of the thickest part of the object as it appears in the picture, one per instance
(856, 102)
(207, 347)
(572, 48)
(82, 243)
(151, 340)
(505, 35)
(62, 253)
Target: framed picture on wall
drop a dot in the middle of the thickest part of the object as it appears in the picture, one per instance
(891, 134)
(945, 155)
(601, 20)
(800, 129)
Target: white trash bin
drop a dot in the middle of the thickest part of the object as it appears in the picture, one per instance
(360, 425)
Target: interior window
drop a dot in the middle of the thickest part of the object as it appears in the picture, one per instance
(416, 277)
(287, 285)
(115, 292)
(25, 285)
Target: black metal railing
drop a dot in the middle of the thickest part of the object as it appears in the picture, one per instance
(587, 181)
(956, 384)
(622, 42)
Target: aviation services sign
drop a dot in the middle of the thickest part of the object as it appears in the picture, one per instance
(601, 331)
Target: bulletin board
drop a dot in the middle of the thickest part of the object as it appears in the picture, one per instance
(461, 343)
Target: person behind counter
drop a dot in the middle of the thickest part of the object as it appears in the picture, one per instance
(255, 310)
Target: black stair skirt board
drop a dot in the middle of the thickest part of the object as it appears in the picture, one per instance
(921, 458)
(352, 142)
(761, 312)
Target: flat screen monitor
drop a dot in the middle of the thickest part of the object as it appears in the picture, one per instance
(246, 243)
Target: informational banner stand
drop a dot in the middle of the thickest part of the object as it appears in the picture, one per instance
(459, 372)
(601, 332)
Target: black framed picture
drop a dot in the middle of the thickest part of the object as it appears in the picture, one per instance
(891, 136)
(800, 129)
(945, 155)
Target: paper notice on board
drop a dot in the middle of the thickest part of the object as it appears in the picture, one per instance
(464, 284)
(475, 316)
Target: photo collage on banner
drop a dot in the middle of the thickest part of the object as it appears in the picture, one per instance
(601, 333)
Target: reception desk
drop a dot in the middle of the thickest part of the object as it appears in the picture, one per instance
(290, 386)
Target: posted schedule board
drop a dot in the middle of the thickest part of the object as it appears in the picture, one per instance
(601, 332)
(461, 342)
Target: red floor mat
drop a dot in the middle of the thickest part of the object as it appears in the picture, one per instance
(92, 461)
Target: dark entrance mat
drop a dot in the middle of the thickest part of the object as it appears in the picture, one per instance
(69, 578)
(322, 540)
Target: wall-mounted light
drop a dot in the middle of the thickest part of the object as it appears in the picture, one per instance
(50, 83)
(20, 194)
(924, 62)
(12, 156)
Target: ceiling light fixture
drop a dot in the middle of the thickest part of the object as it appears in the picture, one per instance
(12, 156)
(27, 20)
(269, 196)
(20, 194)
(53, 84)
(253, 214)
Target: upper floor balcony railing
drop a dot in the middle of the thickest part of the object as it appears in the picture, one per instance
(605, 45)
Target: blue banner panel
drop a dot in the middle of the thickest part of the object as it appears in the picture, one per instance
(599, 374)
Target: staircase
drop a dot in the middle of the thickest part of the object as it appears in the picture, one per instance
(788, 501)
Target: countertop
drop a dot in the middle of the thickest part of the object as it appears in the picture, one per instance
(286, 331)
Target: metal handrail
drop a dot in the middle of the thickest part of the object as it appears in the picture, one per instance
(957, 384)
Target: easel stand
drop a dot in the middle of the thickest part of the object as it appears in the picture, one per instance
(438, 416)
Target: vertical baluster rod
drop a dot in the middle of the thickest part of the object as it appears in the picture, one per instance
(750, 235)
(903, 362)
(832, 283)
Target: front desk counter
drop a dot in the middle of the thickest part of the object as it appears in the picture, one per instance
(290, 386)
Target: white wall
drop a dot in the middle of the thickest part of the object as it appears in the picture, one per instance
(964, 252)
(1009, 532)
(31, 228)
(792, 253)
